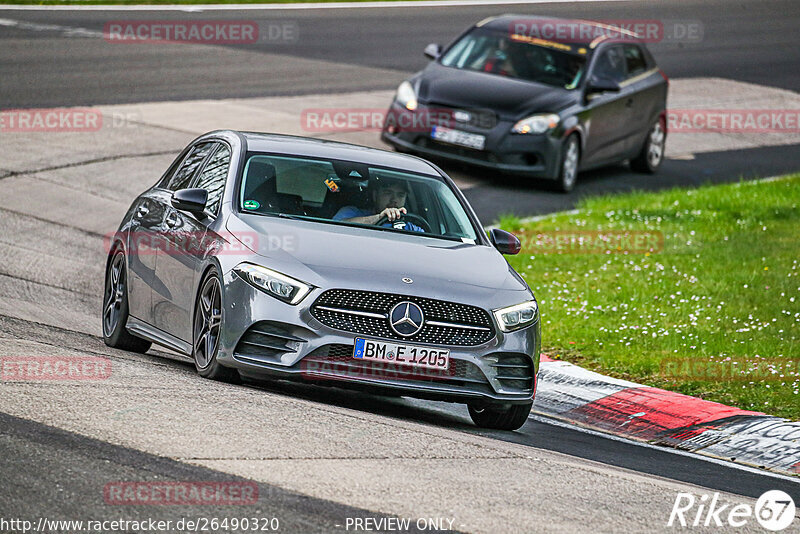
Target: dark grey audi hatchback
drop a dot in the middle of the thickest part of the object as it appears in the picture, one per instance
(535, 96)
(282, 257)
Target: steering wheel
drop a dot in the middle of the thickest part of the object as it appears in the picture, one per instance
(410, 217)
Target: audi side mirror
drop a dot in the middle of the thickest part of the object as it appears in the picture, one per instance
(192, 200)
(602, 85)
(505, 242)
(433, 50)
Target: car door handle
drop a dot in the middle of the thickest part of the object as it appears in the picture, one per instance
(172, 220)
(629, 103)
(142, 211)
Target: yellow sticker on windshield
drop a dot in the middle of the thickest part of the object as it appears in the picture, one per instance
(541, 42)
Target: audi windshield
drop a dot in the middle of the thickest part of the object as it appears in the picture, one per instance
(518, 56)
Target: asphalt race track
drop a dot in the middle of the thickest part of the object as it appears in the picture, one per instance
(319, 455)
(47, 63)
(749, 41)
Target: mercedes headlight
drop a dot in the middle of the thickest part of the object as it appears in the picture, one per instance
(516, 317)
(406, 96)
(276, 284)
(536, 124)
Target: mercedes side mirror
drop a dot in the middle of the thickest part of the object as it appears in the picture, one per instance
(505, 242)
(192, 200)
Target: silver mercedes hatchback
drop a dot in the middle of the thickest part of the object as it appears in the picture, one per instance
(277, 257)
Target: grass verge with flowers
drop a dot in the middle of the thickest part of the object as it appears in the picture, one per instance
(711, 311)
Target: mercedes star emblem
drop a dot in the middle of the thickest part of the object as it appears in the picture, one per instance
(406, 319)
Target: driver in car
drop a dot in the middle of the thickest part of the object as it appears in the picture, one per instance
(388, 202)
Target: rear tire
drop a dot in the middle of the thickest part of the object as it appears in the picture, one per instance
(206, 332)
(651, 156)
(500, 417)
(115, 308)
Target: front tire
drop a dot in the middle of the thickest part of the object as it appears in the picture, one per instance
(568, 167)
(206, 332)
(500, 417)
(652, 154)
(115, 308)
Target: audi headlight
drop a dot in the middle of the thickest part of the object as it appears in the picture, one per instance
(516, 317)
(406, 96)
(276, 284)
(536, 124)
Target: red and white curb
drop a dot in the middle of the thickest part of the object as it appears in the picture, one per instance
(588, 399)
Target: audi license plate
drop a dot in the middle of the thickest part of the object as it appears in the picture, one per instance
(411, 355)
(457, 137)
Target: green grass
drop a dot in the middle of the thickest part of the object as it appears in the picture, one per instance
(715, 314)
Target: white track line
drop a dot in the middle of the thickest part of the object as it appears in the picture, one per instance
(697, 456)
(68, 31)
(298, 6)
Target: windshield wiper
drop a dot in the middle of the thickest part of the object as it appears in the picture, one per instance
(367, 226)
(288, 216)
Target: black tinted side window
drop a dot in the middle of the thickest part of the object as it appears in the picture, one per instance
(611, 64)
(165, 178)
(634, 59)
(183, 176)
(213, 177)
